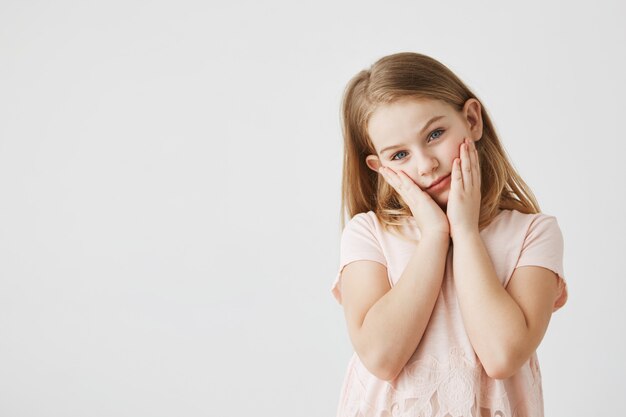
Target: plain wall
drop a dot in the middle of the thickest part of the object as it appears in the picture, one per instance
(170, 185)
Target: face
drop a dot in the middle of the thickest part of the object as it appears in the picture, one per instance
(422, 137)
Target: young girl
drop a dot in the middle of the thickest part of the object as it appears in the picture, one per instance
(449, 273)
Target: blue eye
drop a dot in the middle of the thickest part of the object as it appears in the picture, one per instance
(435, 131)
(393, 158)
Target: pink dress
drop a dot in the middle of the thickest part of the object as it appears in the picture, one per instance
(444, 377)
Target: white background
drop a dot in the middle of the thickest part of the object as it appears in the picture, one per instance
(169, 193)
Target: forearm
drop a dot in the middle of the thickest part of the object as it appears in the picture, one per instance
(394, 325)
(493, 320)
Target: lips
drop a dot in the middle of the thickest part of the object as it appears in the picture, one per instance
(437, 181)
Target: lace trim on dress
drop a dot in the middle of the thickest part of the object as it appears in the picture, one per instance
(459, 387)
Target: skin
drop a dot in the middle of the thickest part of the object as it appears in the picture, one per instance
(505, 325)
(428, 156)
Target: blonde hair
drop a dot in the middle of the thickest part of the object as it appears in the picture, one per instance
(409, 74)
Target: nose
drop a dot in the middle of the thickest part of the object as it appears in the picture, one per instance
(426, 165)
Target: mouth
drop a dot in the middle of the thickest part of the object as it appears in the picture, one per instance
(434, 184)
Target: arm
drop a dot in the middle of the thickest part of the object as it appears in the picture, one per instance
(394, 325)
(505, 326)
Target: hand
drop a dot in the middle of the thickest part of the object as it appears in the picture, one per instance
(429, 216)
(463, 208)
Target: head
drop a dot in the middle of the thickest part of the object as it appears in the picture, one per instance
(421, 137)
(390, 104)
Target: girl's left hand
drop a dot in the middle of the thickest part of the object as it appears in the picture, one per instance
(463, 209)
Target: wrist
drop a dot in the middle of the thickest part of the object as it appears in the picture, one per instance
(465, 234)
(435, 235)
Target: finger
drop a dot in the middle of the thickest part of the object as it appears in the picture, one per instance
(475, 164)
(401, 181)
(406, 183)
(384, 171)
(466, 167)
(457, 176)
(393, 179)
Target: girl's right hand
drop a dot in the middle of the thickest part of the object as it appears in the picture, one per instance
(429, 216)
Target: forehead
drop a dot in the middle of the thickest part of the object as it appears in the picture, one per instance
(402, 119)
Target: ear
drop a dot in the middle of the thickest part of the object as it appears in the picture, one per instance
(473, 118)
(373, 162)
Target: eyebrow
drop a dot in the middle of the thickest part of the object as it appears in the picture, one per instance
(428, 123)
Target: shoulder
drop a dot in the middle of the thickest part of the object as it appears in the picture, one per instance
(515, 229)
(518, 215)
(368, 216)
(365, 226)
(535, 232)
(529, 239)
(514, 219)
(365, 220)
(361, 239)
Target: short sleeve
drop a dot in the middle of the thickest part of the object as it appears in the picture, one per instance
(358, 242)
(543, 246)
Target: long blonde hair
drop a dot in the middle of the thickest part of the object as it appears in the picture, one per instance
(409, 74)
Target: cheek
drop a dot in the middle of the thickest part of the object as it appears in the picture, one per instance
(452, 152)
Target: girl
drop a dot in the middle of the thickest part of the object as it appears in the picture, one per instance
(449, 272)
